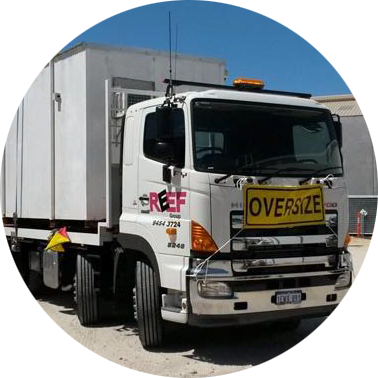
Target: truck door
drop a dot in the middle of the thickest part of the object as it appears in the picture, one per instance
(163, 216)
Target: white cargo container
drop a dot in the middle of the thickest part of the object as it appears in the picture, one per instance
(55, 156)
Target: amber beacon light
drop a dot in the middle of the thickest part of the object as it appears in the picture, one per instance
(242, 82)
(201, 240)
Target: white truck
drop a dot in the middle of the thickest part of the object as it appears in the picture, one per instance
(224, 206)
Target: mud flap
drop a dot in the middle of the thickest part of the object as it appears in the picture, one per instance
(51, 269)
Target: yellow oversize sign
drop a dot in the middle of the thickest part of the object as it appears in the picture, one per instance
(283, 206)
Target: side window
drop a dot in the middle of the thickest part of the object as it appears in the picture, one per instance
(309, 141)
(209, 142)
(172, 132)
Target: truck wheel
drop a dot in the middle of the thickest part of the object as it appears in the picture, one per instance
(148, 306)
(12, 272)
(35, 282)
(86, 292)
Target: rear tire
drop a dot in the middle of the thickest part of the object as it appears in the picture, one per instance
(86, 292)
(12, 272)
(148, 306)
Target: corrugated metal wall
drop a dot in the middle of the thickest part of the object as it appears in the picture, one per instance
(343, 105)
(359, 160)
(356, 204)
(360, 171)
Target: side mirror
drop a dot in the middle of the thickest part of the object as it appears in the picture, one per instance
(165, 151)
(338, 129)
(164, 121)
(167, 174)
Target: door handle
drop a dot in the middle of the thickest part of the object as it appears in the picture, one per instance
(144, 198)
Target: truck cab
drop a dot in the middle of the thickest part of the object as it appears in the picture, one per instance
(188, 162)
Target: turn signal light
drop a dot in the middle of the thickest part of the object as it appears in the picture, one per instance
(201, 240)
(241, 82)
(347, 240)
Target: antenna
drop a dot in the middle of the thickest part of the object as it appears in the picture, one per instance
(176, 51)
(170, 87)
(169, 92)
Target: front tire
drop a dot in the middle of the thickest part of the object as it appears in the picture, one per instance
(12, 272)
(148, 306)
(86, 292)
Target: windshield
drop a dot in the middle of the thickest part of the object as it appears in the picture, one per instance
(255, 138)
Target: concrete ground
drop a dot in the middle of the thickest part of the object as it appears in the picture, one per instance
(43, 338)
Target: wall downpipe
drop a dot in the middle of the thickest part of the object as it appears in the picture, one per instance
(3, 194)
(52, 123)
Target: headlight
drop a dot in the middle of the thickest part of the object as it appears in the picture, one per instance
(346, 261)
(214, 290)
(331, 241)
(343, 280)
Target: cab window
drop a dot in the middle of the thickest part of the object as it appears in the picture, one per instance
(172, 132)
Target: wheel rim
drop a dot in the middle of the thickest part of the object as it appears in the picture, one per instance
(3, 269)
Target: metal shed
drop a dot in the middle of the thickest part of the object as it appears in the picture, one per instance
(359, 160)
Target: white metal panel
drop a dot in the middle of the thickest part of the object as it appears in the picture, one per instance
(10, 169)
(36, 150)
(28, 159)
(130, 164)
(71, 139)
(2, 144)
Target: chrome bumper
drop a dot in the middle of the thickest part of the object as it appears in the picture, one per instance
(212, 321)
(254, 295)
(261, 301)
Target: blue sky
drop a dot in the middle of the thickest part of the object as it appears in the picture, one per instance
(318, 46)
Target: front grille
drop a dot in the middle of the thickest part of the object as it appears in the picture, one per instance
(277, 251)
(330, 228)
(284, 283)
(307, 249)
(286, 269)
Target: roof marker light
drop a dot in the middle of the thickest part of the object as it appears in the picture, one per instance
(242, 82)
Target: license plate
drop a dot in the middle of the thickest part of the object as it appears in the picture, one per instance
(288, 297)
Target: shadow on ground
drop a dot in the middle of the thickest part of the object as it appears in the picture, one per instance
(65, 302)
(314, 340)
(234, 346)
(56, 298)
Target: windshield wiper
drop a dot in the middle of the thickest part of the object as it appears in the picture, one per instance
(278, 171)
(238, 171)
(292, 169)
(317, 172)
